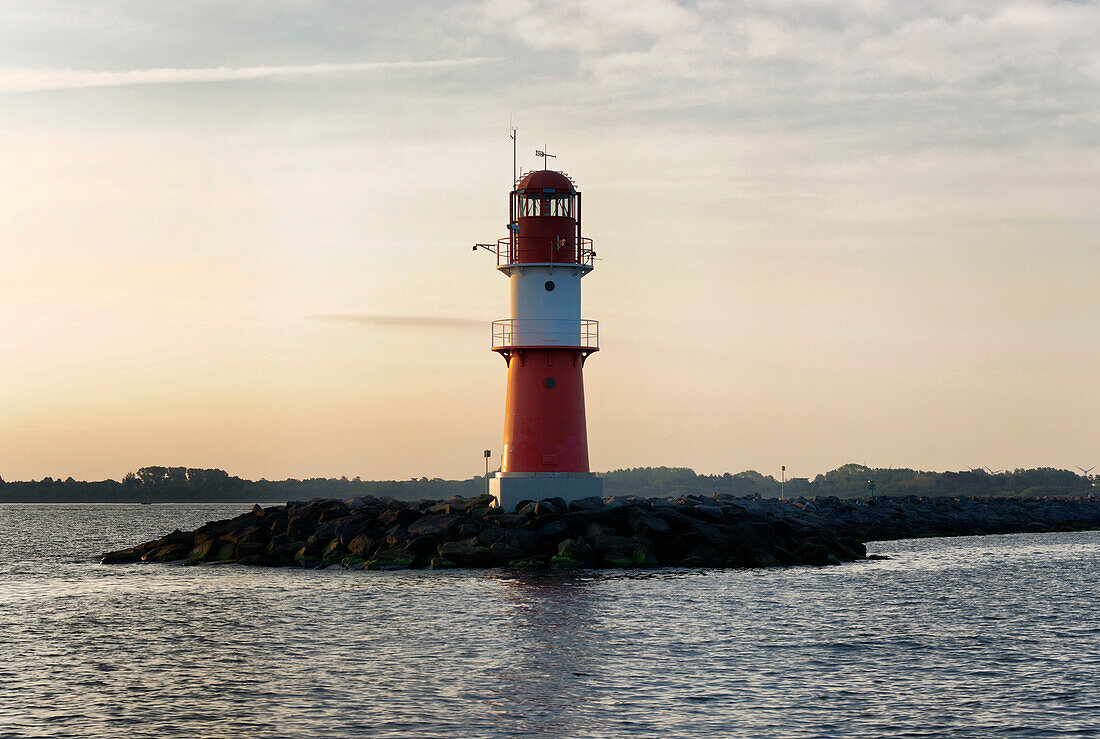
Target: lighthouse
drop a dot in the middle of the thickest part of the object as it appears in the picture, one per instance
(545, 343)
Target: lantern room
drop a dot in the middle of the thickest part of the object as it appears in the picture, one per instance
(545, 221)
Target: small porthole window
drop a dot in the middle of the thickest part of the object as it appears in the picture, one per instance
(549, 286)
(549, 382)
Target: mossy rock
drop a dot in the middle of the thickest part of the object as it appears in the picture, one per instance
(526, 564)
(306, 557)
(167, 553)
(204, 550)
(352, 560)
(692, 560)
(248, 550)
(617, 559)
(642, 557)
(227, 552)
(439, 563)
(252, 559)
(467, 554)
(398, 560)
(333, 554)
(565, 563)
(114, 558)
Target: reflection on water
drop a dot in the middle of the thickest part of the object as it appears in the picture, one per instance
(967, 637)
(546, 629)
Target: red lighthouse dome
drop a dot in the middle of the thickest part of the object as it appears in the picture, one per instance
(546, 178)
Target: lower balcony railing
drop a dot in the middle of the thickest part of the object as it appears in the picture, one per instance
(546, 332)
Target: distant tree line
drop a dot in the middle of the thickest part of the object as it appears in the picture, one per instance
(847, 481)
(184, 484)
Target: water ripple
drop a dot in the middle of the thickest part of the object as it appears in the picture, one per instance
(969, 637)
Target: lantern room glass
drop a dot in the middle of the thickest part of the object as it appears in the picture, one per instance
(544, 204)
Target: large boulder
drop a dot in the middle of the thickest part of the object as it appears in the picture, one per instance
(362, 546)
(467, 554)
(646, 524)
(279, 544)
(307, 557)
(481, 502)
(593, 503)
(402, 516)
(249, 549)
(550, 506)
(613, 543)
(333, 553)
(391, 559)
(333, 512)
(250, 534)
(554, 530)
(221, 550)
(490, 535)
(422, 545)
(278, 525)
(131, 554)
(504, 553)
(352, 526)
(524, 540)
(300, 527)
(438, 525)
(577, 550)
(703, 556)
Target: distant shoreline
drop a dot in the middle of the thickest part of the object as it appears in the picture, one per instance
(250, 501)
(191, 485)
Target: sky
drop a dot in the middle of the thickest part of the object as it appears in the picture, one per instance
(238, 234)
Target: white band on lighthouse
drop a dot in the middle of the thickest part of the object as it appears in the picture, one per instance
(546, 305)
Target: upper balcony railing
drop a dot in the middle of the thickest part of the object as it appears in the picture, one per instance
(514, 250)
(546, 332)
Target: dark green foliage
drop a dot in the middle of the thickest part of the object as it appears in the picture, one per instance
(847, 481)
(167, 484)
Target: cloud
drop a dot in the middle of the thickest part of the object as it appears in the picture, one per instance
(1001, 69)
(38, 80)
(432, 322)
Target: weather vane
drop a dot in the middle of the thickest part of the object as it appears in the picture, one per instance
(542, 153)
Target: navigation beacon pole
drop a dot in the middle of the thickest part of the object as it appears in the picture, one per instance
(545, 344)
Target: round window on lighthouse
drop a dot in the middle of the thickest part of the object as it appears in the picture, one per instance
(549, 382)
(549, 285)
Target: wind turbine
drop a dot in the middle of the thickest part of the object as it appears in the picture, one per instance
(1084, 471)
(992, 472)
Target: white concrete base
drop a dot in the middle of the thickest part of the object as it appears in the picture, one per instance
(510, 488)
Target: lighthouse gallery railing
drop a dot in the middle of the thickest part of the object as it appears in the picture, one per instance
(546, 332)
(510, 247)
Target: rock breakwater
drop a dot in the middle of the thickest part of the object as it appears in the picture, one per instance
(693, 531)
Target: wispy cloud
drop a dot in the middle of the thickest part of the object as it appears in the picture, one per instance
(407, 321)
(945, 71)
(38, 80)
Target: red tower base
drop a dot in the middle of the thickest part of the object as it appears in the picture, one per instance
(512, 488)
(544, 426)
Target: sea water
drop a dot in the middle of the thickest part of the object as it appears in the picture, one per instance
(965, 637)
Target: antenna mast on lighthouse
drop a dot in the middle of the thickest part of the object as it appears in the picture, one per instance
(512, 131)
